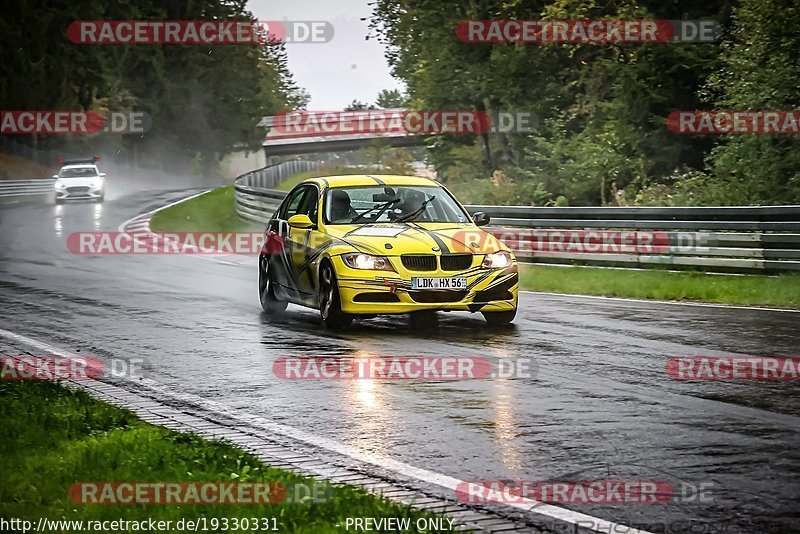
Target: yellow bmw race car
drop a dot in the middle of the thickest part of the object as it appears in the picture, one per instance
(366, 245)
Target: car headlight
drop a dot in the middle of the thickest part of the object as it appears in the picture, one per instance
(497, 260)
(97, 182)
(59, 184)
(367, 261)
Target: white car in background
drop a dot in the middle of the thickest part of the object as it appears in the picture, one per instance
(79, 180)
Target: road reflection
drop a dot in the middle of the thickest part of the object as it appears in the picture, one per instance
(370, 416)
(58, 220)
(97, 216)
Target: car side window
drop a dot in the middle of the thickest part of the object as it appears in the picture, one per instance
(310, 203)
(293, 203)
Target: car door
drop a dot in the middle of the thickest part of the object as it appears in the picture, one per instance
(282, 259)
(301, 244)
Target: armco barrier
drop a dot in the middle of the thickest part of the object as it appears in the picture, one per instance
(746, 239)
(16, 188)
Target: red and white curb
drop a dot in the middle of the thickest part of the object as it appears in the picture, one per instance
(139, 228)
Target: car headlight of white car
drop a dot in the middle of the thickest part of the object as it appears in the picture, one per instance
(367, 261)
(97, 183)
(59, 184)
(497, 260)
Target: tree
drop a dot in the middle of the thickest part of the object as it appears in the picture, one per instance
(759, 72)
(600, 106)
(391, 99)
(357, 105)
(204, 100)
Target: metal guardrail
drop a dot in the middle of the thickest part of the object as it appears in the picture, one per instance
(269, 177)
(15, 188)
(759, 239)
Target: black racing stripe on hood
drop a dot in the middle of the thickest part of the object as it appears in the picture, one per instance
(466, 247)
(433, 235)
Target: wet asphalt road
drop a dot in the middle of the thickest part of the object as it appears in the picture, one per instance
(598, 406)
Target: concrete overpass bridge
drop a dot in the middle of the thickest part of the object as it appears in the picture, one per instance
(301, 132)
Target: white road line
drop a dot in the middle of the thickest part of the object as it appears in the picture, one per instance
(578, 519)
(671, 302)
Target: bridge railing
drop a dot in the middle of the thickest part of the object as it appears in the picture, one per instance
(761, 239)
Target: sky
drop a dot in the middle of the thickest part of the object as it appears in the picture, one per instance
(345, 69)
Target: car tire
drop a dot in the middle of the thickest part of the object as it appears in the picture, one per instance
(330, 303)
(499, 318)
(100, 199)
(270, 303)
(59, 200)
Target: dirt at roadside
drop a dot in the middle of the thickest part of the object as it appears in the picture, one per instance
(19, 168)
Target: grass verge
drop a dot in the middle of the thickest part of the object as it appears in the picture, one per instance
(756, 290)
(54, 436)
(210, 212)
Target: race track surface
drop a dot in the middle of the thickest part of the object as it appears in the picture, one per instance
(598, 405)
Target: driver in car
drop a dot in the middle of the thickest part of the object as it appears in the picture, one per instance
(341, 208)
(412, 200)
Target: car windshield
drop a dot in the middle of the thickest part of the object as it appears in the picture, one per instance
(78, 172)
(378, 203)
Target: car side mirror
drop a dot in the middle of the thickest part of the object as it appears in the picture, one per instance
(55, 177)
(480, 218)
(301, 221)
(102, 175)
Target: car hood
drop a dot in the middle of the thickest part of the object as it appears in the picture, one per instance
(417, 238)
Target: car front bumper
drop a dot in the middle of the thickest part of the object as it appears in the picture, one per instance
(368, 292)
(78, 193)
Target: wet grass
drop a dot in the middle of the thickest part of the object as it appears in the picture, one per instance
(54, 436)
(210, 212)
(756, 290)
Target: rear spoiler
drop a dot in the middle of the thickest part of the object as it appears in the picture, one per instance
(63, 161)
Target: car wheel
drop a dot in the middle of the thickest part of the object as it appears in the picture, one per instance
(330, 304)
(59, 200)
(266, 290)
(499, 318)
(100, 199)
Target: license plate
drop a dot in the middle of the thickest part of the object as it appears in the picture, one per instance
(424, 282)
